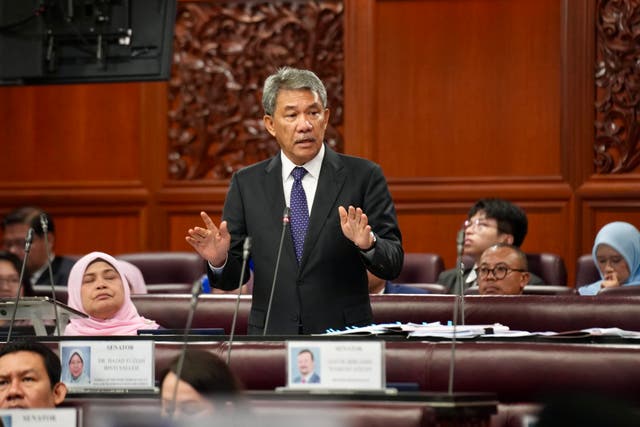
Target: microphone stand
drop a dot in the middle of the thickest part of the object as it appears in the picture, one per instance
(195, 292)
(460, 276)
(45, 230)
(285, 220)
(246, 248)
(27, 249)
(458, 305)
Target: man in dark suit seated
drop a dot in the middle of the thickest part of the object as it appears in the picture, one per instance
(502, 270)
(15, 226)
(342, 221)
(378, 286)
(489, 221)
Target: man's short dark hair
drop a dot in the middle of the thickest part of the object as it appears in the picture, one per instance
(51, 359)
(207, 373)
(30, 216)
(511, 219)
(12, 258)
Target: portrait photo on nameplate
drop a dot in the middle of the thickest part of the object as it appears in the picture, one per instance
(335, 365)
(116, 366)
(59, 417)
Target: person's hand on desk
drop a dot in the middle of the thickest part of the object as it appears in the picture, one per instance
(355, 227)
(212, 243)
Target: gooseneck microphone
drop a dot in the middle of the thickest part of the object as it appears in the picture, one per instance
(27, 248)
(45, 230)
(195, 293)
(246, 249)
(286, 215)
(460, 273)
(457, 305)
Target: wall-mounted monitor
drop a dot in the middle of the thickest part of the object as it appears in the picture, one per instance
(85, 41)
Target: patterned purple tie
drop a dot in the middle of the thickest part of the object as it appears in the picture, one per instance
(299, 211)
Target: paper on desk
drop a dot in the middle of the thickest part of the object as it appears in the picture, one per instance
(613, 332)
(461, 331)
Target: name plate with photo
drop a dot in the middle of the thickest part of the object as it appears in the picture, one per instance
(335, 365)
(63, 417)
(110, 366)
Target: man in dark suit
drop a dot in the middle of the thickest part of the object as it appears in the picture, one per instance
(15, 226)
(489, 221)
(342, 201)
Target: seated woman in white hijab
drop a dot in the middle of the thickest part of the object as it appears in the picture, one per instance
(98, 287)
(616, 253)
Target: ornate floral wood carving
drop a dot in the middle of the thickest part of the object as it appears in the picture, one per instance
(617, 143)
(222, 54)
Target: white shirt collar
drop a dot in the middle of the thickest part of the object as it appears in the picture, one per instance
(472, 277)
(313, 166)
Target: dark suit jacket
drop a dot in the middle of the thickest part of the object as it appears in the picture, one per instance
(313, 379)
(60, 266)
(448, 278)
(329, 288)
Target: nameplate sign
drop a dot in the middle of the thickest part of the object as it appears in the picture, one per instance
(63, 417)
(116, 366)
(335, 365)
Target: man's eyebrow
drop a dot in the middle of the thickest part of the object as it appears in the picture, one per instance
(22, 372)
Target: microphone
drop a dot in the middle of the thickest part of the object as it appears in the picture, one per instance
(27, 248)
(246, 248)
(285, 220)
(457, 305)
(45, 230)
(196, 289)
(460, 274)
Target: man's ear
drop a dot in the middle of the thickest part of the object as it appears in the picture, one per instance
(52, 240)
(268, 124)
(524, 280)
(327, 113)
(59, 393)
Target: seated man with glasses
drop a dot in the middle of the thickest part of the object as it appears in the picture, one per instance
(502, 270)
(14, 231)
(489, 222)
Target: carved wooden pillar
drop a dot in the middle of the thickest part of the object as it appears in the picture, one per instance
(222, 54)
(617, 142)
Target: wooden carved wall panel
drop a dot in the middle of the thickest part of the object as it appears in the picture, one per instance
(617, 142)
(223, 53)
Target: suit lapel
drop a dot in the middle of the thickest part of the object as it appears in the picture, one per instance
(273, 188)
(330, 182)
(275, 194)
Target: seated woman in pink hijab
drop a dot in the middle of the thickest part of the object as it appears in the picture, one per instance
(98, 287)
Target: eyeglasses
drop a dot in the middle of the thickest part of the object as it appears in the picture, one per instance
(500, 271)
(478, 224)
(9, 280)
